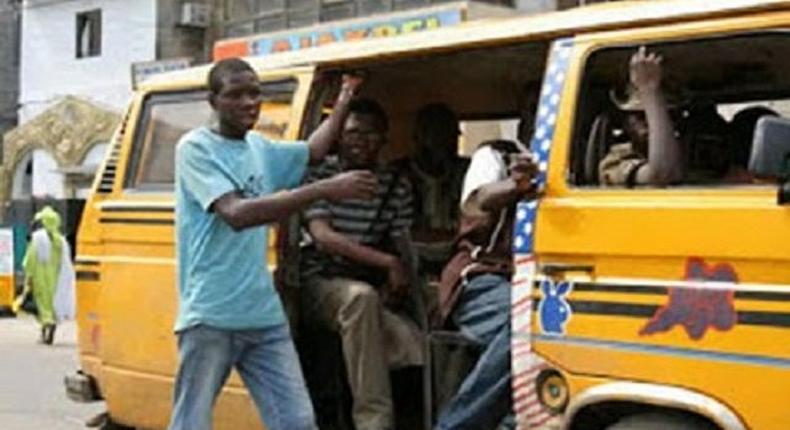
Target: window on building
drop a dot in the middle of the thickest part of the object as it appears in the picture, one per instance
(88, 43)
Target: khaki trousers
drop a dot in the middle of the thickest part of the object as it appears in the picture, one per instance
(374, 340)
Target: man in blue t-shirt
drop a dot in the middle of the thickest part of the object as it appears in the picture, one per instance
(230, 184)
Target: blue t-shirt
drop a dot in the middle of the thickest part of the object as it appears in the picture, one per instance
(223, 276)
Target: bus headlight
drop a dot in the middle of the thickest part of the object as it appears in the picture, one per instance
(553, 391)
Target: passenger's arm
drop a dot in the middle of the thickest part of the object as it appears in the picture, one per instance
(240, 213)
(335, 243)
(321, 140)
(495, 196)
(518, 185)
(664, 154)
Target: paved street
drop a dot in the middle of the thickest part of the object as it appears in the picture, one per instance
(32, 395)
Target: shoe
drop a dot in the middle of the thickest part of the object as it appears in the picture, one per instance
(97, 421)
(50, 333)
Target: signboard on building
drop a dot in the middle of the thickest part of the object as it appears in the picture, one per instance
(378, 26)
(145, 69)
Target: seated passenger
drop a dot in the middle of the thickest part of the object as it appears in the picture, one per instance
(475, 284)
(350, 277)
(742, 134)
(436, 173)
(527, 107)
(653, 155)
(705, 139)
(475, 287)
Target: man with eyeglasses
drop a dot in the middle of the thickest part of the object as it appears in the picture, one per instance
(353, 279)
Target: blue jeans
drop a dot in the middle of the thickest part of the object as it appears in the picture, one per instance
(484, 398)
(268, 365)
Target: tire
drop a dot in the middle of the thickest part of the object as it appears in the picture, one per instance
(662, 421)
(109, 424)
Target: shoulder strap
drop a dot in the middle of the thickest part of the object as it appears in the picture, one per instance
(384, 201)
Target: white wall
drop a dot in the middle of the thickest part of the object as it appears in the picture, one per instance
(50, 69)
(47, 180)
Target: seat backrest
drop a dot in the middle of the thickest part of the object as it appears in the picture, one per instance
(596, 147)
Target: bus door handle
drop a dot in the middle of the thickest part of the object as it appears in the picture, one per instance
(554, 269)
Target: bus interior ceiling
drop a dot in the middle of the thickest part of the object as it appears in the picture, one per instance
(475, 83)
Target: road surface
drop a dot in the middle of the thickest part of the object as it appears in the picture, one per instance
(32, 396)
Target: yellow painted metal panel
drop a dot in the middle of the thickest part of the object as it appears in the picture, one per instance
(7, 294)
(145, 400)
(629, 323)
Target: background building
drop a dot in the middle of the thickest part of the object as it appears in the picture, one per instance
(68, 84)
(90, 43)
(9, 67)
(246, 17)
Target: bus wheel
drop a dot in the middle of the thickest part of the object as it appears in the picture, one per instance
(109, 424)
(662, 421)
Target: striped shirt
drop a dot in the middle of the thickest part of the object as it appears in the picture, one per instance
(356, 219)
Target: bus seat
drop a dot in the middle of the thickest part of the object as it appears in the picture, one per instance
(595, 148)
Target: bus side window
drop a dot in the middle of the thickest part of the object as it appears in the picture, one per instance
(167, 117)
(712, 100)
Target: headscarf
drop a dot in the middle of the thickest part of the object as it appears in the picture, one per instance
(43, 243)
(50, 219)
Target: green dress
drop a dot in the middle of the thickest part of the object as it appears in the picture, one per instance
(42, 276)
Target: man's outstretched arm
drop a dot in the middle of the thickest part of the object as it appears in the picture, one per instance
(240, 213)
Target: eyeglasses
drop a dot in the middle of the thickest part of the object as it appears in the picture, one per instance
(368, 136)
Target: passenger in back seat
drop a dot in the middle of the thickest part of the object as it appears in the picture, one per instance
(653, 156)
(475, 285)
(436, 173)
(742, 129)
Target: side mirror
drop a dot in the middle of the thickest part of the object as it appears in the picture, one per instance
(771, 153)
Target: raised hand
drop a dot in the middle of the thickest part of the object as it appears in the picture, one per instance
(646, 70)
(523, 169)
(349, 86)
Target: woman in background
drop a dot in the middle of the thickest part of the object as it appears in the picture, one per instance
(49, 273)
